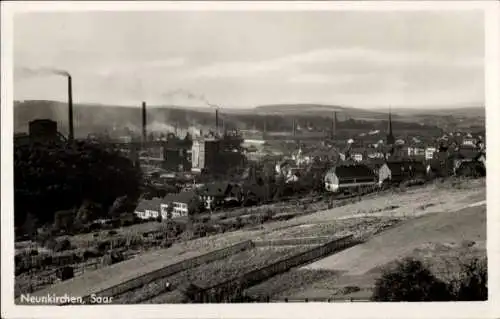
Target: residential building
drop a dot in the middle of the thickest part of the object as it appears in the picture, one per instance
(358, 154)
(148, 208)
(384, 173)
(349, 176)
(404, 170)
(469, 141)
(429, 153)
(181, 203)
(214, 195)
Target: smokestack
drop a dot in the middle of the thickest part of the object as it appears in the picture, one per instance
(71, 134)
(217, 121)
(144, 128)
(334, 125)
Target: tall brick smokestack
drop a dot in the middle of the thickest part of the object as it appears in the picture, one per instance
(71, 134)
(144, 128)
(217, 121)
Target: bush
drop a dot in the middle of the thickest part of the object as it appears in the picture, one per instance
(103, 246)
(91, 253)
(112, 257)
(58, 246)
(112, 232)
(166, 243)
(410, 281)
(473, 282)
(65, 273)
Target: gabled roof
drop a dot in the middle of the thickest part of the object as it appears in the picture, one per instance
(150, 204)
(353, 171)
(182, 197)
(215, 189)
(375, 163)
(400, 167)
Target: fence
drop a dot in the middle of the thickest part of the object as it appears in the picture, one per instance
(292, 241)
(233, 288)
(172, 269)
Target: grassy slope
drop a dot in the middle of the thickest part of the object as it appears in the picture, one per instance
(409, 202)
(436, 238)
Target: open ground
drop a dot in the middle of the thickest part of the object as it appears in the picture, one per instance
(431, 220)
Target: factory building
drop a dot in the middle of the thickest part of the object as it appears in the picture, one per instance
(204, 154)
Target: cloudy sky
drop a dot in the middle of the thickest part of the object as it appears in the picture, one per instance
(243, 59)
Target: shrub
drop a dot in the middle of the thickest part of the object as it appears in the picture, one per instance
(91, 253)
(103, 246)
(112, 257)
(330, 204)
(112, 232)
(166, 243)
(65, 273)
(472, 284)
(410, 281)
(62, 245)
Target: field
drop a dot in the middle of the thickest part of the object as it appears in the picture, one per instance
(389, 212)
(211, 273)
(359, 227)
(440, 240)
(414, 202)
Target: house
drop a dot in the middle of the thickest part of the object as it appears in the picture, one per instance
(215, 194)
(469, 141)
(284, 168)
(234, 195)
(182, 204)
(148, 208)
(404, 170)
(349, 176)
(418, 151)
(358, 154)
(429, 153)
(376, 154)
(384, 173)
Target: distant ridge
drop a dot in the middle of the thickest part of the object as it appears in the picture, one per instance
(92, 117)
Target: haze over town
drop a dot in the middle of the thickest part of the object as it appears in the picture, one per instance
(245, 59)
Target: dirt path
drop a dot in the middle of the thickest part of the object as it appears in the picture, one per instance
(466, 224)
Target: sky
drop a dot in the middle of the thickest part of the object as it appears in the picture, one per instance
(244, 59)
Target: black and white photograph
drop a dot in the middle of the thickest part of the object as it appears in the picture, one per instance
(246, 155)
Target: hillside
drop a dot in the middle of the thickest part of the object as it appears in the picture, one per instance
(93, 118)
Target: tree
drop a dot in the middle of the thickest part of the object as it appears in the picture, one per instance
(64, 220)
(195, 206)
(57, 177)
(170, 210)
(473, 282)
(30, 226)
(410, 281)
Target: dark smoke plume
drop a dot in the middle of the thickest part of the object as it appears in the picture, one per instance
(42, 71)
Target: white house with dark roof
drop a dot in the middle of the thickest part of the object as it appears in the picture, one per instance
(181, 204)
(148, 208)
